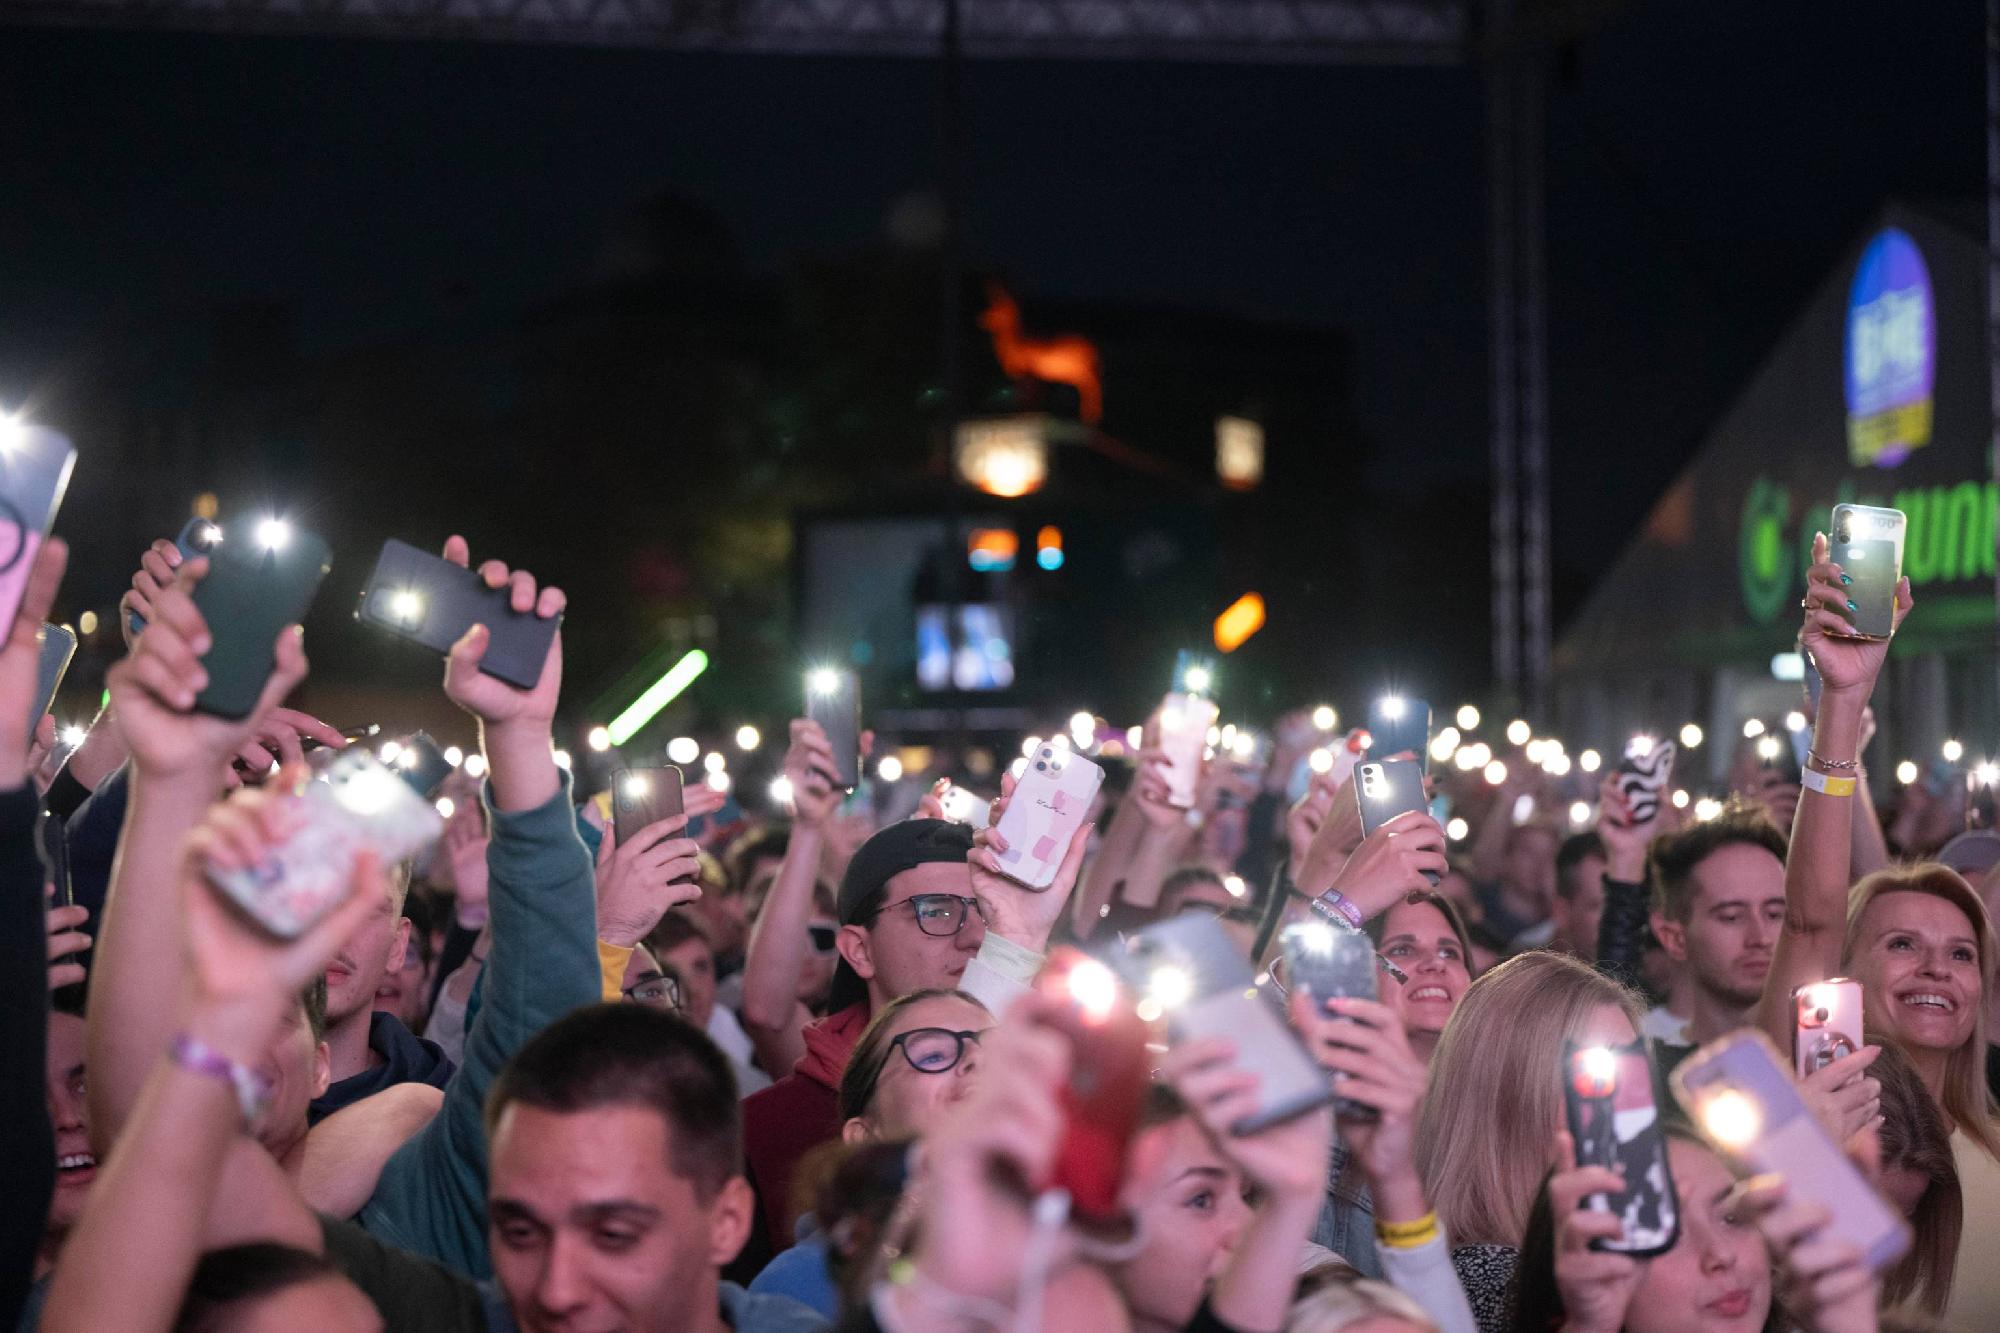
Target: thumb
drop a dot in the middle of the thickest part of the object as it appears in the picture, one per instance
(470, 650)
(290, 652)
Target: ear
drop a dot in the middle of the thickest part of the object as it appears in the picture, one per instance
(854, 1131)
(1672, 936)
(322, 1075)
(729, 1219)
(399, 943)
(857, 949)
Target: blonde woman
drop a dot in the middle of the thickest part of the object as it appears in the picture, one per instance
(1917, 938)
(1495, 1104)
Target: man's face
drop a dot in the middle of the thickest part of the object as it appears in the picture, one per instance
(69, 1112)
(405, 991)
(375, 947)
(1531, 864)
(298, 1070)
(592, 1230)
(1577, 915)
(692, 959)
(1739, 907)
(894, 955)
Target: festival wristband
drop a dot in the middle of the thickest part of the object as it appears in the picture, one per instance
(197, 1057)
(1408, 1235)
(1335, 900)
(1826, 784)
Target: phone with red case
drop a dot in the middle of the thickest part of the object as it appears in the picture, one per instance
(1826, 1023)
(1050, 801)
(1738, 1091)
(1107, 1084)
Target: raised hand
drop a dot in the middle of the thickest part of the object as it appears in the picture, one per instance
(1287, 1160)
(1014, 912)
(1389, 863)
(279, 741)
(156, 571)
(811, 768)
(1846, 664)
(1307, 816)
(639, 883)
(492, 700)
(1596, 1285)
(1842, 1095)
(1825, 1283)
(1338, 838)
(153, 689)
(1625, 839)
(20, 657)
(66, 939)
(1149, 792)
(1363, 1044)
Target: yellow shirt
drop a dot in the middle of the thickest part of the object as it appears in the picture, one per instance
(1975, 1282)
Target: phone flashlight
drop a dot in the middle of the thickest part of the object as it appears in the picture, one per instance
(1324, 717)
(1170, 987)
(273, 534)
(1767, 748)
(1196, 679)
(407, 605)
(822, 680)
(1987, 774)
(207, 536)
(1314, 936)
(368, 791)
(1730, 1118)
(636, 788)
(1320, 760)
(1392, 706)
(1640, 747)
(1595, 1072)
(408, 757)
(1094, 988)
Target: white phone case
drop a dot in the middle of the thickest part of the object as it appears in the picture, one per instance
(1051, 799)
(1184, 723)
(357, 804)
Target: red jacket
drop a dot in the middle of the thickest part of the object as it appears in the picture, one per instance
(787, 1120)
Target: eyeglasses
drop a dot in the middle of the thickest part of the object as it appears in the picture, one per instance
(822, 938)
(654, 992)
(933, 1050)
(939, 913)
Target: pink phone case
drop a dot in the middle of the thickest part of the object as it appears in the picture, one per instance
(1050, 801)
(1184, 723)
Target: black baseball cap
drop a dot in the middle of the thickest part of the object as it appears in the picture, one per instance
(899, 847)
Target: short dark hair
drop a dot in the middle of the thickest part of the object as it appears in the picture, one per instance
(244, 1272)
(1186, 877)
(314, 1000)
(634, 1055)
(773, 840)
(1671, 860)
(676, 929)
(1575, 850)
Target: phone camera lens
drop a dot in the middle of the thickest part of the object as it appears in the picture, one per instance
(1821, 1016)
(1040, 766)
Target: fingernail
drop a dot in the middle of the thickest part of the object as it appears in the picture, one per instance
(1847, 578)
(1852, 607)
(202, 644)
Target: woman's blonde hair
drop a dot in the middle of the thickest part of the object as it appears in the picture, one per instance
(1494, 1103)
(1332, 1297)
(1967, 1101)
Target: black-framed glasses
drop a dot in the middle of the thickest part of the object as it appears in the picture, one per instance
(822, 938)
(933, 1050)
(655, 992)
(939, 913)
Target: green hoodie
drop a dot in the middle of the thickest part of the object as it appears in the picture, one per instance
(431, 1198)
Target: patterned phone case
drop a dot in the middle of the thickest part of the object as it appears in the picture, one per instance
(356, 804)
(1643, 777)
(1049, 802)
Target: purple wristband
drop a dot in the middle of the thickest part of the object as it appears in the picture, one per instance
(197, 1057)
(1335, 900)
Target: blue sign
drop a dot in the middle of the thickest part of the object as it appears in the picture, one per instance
(1891, 352)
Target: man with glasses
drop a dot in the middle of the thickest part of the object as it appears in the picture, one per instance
(918, 910)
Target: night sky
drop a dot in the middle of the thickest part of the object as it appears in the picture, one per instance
(1708, 163)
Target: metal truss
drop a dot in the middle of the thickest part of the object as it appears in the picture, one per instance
(1260, 31)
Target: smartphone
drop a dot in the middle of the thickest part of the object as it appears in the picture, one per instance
(422, 764)
(1050, 801)
(1827, 1023)
(833, 699)
(1643, 775)
(1399, 727)
(1608, 1098)
(1387, 789)
(1775, 756)
(255, 587)
(1331, 964)
(35, 464)
(642, 797)
(58, 647)
(430, 601)
(199, 537)
(1742, 1098)
(1867, 544)
(1184, 723)
(962, 807)
(1189, 971)
(1108, 1080)
(355, 803)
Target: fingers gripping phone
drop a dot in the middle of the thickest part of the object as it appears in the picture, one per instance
(1189, 971)
(1049, 804)
(1331, 964)
(1107, 1082)
(1742, 1098)
(1867, 543)
(1399, 726)
(1642, 776)
(35, 464)
(1826, 1024)
(430, 601)
(1608, 1098)
(355, 804)
(58, 647)
(255, 587)
(1390, 788)
(199, 537)
(833, 699)
(642, 797)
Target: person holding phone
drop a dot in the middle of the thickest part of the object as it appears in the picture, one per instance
(1426, 937)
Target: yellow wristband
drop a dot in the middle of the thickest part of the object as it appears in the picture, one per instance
(1408, 1235)
(1826, 784)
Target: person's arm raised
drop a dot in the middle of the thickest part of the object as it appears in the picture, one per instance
(1018, 920)
(1163, 832)
(1817, 869)
(179, 758)
(778, 940)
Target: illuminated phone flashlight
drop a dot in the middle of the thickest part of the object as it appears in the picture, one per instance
(1392, 706)
(1640, 747)
(1730, 1118)
(1196, 679)
(1170, 986)
(408, 758)
(823, 680)
(367, 791)
(1324, 717)
(207, 535)
(636, 787)
(1094, 988)
(1594, 1072)
(274, 534)
(406, 605)
(1767, 748)
(1987, 774)
(1320, 760)
(1314, 937)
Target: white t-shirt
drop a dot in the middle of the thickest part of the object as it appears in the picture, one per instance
(1662, 1024)
(725, 1031)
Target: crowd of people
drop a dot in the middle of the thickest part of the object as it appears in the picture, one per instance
(807, 1071)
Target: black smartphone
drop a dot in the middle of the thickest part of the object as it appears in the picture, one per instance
(1608, 1099)
(199, 537)
(422, 764)
(256, 585)
(35, 463)
(833, 699)
(1400, 727)
(1332, 964)
(428, 600)
(1389, 788)
(58, 648)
